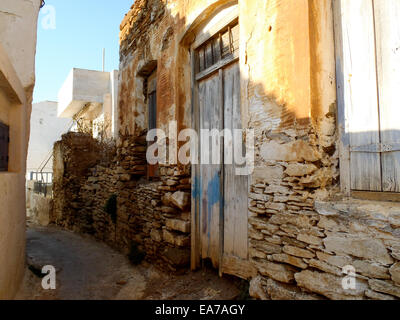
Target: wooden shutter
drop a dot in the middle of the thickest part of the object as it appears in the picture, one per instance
(4, 143)
(360, 93)
(370, 63)
(387, 30)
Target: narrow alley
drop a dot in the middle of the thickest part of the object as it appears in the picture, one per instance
(90, 270)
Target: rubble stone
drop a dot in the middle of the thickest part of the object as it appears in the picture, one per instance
(361, 247)
(384, 287)
(276, 271)
(282, 291)
(257, 290)
(181, 200)
(299, 169)
(329, 285)
(395, 272)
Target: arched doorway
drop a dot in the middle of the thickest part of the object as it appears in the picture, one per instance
(220, 197)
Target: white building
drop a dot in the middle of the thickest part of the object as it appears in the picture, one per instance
(46, 129)
(91, 97)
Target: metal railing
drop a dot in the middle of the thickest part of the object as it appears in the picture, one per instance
(44, 177)
(42, 182)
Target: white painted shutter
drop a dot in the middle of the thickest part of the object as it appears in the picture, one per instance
(360, 93)
(387, 30)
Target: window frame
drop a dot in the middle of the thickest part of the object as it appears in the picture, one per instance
(4, 147)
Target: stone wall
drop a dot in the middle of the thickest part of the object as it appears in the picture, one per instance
(152, 214)
(303, 233)
(303, 253)
(73, 156)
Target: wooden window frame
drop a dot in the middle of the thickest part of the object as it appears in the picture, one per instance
(233, 56)
(4, 146)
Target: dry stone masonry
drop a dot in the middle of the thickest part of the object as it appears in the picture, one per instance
(152, 214)
(300, 243)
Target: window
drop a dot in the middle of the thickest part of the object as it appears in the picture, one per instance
(4, 143)
(223, 46)
(152, 100)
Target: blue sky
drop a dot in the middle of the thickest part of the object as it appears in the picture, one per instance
(82, 29)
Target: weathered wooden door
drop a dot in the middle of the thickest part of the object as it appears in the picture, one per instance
(369, 65)
(211, 200)
(222, 193)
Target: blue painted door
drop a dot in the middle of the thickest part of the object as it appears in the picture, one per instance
(223, 200)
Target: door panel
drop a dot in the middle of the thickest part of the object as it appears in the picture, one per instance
(235, 186)
(223, 193)
(209, 91)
